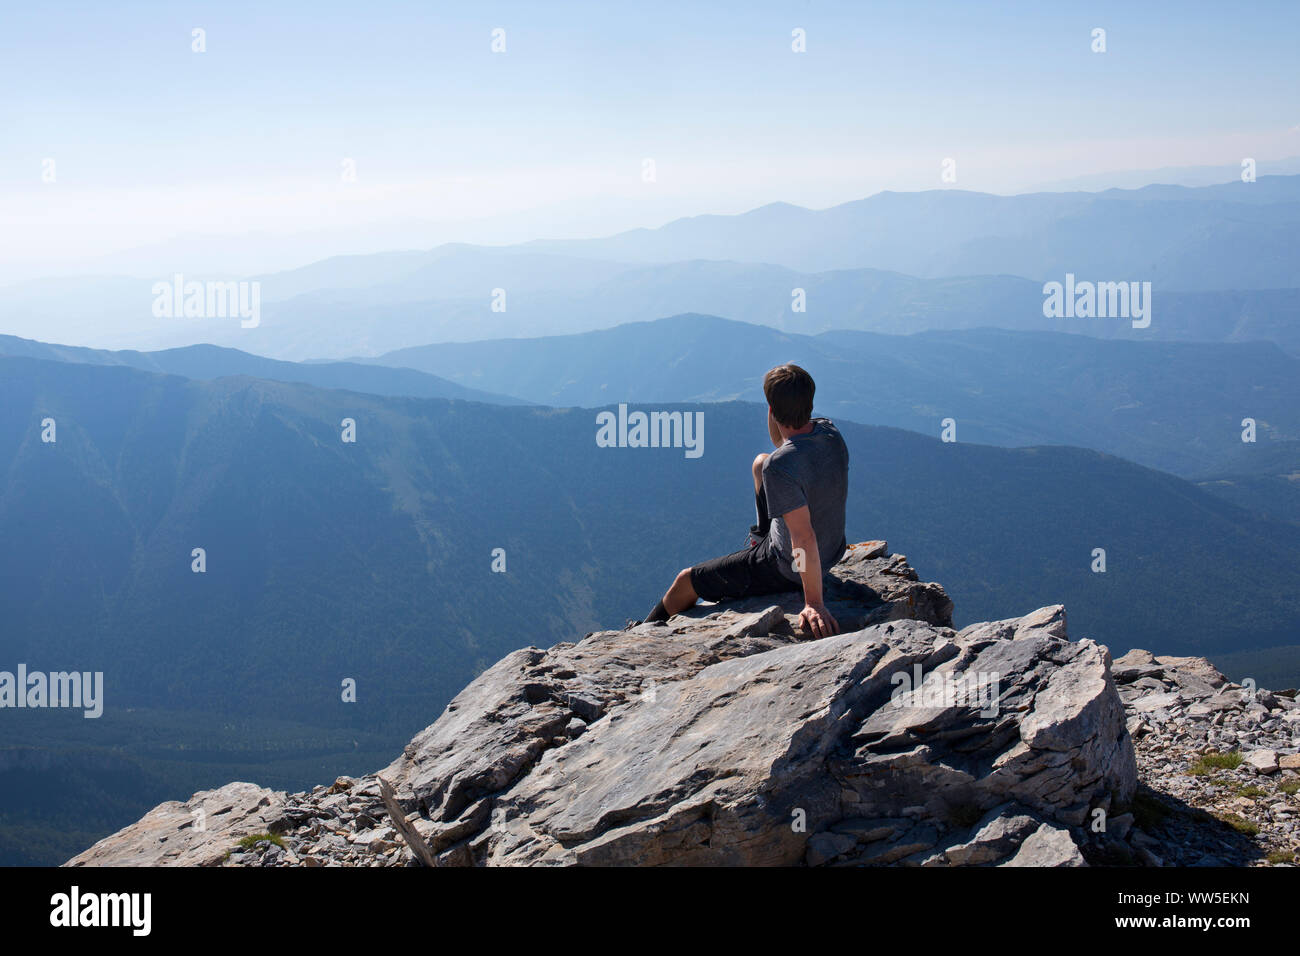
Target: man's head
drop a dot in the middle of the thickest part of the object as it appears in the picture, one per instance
(789, 390)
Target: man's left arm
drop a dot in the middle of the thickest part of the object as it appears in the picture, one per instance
(814, 617)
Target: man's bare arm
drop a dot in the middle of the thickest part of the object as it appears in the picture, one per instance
(808, 563)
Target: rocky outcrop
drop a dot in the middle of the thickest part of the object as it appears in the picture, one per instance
(199, 832)
(726, 736)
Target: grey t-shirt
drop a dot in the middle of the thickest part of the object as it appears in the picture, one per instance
(810, 469)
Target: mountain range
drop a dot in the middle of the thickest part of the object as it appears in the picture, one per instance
(210, 361)
(147, 467)
(1231, 235)
(1002, 387)
(1216, 257)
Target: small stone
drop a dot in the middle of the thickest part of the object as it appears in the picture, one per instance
(1261, 761)
(1048, 846)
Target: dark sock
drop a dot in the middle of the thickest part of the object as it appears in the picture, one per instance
(658, 614)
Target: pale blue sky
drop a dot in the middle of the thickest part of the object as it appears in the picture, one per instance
(153, 141)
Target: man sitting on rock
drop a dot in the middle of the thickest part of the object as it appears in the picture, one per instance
(802, 486)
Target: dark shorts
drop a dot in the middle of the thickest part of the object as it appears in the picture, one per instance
(741, 574)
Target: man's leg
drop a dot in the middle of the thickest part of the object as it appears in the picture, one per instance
(677, 599)
(681, 595)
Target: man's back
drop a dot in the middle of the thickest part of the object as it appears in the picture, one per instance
(813, 470)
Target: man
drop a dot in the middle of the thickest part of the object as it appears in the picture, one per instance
(799, 492)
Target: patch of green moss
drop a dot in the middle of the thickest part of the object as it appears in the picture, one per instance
(1213, 760)
(253, 839)
(1239, 823)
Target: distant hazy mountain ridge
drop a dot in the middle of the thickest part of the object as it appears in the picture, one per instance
(894, 262)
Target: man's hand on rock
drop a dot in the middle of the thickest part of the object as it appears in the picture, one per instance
(818, 621)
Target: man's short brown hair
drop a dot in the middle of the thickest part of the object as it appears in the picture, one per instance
(789, 390)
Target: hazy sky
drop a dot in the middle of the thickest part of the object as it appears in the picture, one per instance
(236, 154)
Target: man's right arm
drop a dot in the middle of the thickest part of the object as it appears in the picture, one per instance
(814, 616)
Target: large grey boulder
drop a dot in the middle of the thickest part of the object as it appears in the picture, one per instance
(727, 736)
(746, 760)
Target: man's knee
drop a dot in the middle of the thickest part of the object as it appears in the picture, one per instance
(682, 594)
(758, 469)
(683, 587)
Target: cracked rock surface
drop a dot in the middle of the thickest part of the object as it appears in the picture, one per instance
(726, 736)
